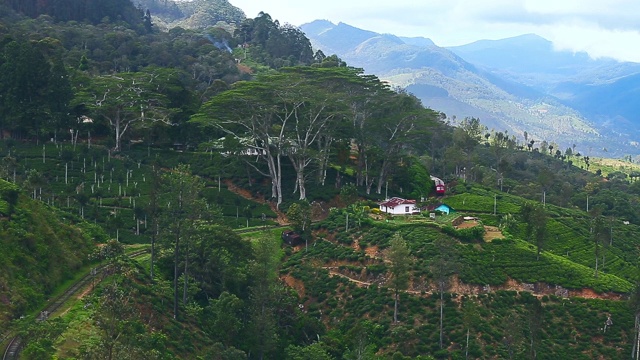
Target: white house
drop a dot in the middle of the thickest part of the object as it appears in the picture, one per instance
(399, 206)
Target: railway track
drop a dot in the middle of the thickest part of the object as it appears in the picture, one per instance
(256, 229)
(14, 347)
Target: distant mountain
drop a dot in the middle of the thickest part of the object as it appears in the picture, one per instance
(529, 58)
(602, 90)
(447, 83)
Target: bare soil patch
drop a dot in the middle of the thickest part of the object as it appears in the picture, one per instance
(295, 284)
(467, 224)
(492, 232)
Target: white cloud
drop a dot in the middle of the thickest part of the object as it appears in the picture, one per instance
(602, 28)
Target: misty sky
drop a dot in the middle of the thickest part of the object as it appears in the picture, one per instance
(602, 28)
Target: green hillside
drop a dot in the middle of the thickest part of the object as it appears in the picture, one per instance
(42, 248)
(118, 136)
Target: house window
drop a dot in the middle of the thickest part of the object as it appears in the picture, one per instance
(406, 209)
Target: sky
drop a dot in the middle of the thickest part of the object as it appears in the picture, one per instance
(602, 28)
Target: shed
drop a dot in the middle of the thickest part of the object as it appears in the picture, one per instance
(291, 237)
(445, 209)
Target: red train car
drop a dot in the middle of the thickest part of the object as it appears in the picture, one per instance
(440, 187)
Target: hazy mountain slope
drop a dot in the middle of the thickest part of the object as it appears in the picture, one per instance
(529, 58)
(603, 90)
(445, 82)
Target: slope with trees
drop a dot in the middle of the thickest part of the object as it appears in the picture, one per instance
(350, 291)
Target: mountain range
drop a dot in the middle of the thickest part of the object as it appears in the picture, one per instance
(520, 84)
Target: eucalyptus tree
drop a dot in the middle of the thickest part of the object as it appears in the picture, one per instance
(126, 100)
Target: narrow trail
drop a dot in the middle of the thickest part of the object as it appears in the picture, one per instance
(281, 218)
(511, 285)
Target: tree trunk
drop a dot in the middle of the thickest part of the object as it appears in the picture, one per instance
(175, 279)
(186, 275)
(154, 234)
(279, 181)
(466, 348)
(361, 169)
(635, 352)
(395, 309)
(441, 316)
(382, 177)
(300, 180)
(117, 128)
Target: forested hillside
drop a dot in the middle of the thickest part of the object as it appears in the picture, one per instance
(42, 247)
(202, 145)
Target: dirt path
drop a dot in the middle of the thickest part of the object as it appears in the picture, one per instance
(281, 218)
(537, 290)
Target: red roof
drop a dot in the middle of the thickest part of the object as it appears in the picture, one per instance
(395, 201)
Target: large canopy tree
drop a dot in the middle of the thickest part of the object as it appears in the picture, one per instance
(279, 115)
(127, 100)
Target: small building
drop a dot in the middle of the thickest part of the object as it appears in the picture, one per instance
(292, 238)
(443, 208)
(399, 206)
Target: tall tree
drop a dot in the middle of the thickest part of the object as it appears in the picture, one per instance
(470, 319)
(182, 208)
(315, 98)
(535, 321)
(535, 218)
(126, 100)
(299, 215)
(634, 304)
(153, 212)
(443, 266)
(400, 262)
(404, 120)
(247, 112)
(278, 115)
(599, 233)
(34, 91)
(262, 327)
